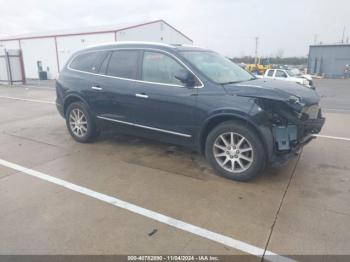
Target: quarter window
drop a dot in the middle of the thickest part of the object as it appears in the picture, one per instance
(160, 68)
(88, 62)
(123, 63)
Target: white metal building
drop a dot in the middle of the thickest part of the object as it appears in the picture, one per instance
(53, 49)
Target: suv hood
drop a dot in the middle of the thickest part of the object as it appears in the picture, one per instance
(294, 94)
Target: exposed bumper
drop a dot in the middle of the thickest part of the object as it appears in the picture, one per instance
(312, 126)
(282, 159)
(306, 131)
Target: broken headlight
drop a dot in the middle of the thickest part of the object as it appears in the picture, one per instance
(283, 121)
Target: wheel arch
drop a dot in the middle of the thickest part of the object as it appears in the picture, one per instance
(71, 99)
(214, 121)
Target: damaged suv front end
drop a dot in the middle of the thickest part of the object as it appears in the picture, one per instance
(245, 121)
(292, 126)
(290, 112)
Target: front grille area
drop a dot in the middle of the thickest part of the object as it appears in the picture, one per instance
(311, 126)
(311, 121)
(311, 112)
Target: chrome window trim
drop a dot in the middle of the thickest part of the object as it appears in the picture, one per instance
(146, 127)
(135, 80)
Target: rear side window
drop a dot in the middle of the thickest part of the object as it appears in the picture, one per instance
(270, 73)
(88, 62)
(160, 68)
(123, 63)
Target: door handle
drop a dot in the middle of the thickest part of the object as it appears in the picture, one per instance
(97, 88)
(141, 95)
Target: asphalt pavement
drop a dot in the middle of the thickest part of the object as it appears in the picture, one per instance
(129, 195)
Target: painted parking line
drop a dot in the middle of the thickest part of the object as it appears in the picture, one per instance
(28, 100)
(333, 137)
(41, 87)
(199, 231)
(51, 102)
(336, 109)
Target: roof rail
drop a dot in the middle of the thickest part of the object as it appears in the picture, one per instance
(134, 43)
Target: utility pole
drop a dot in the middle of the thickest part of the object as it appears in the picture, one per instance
(315, 39)
(256, 50)
(343, 35)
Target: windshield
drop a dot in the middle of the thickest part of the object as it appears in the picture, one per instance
(216, 67)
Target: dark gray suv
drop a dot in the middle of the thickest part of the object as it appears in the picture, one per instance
(191, 97)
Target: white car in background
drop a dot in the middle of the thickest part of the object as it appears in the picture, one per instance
(299, 73)
(291, 75)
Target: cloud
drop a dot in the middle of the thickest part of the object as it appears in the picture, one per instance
(224, 25)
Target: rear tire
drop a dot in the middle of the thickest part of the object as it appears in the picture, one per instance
(235, 151)
(80, 123)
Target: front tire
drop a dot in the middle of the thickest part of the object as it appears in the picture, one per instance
(235, 151)
(80, 123)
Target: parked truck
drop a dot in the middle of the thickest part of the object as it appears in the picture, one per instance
(289, 75)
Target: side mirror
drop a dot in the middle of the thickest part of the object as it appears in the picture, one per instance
(186, 78)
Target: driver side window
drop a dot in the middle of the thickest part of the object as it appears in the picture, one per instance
(160, 68)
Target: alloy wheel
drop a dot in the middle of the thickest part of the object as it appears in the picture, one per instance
(78, 122)
(233, 152)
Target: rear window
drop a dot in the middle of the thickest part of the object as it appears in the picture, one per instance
(123, 63)
(88, 62)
